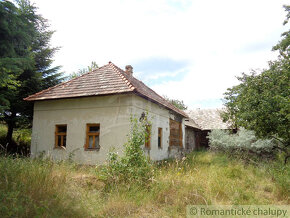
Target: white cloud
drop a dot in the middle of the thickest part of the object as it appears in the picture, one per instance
(219, 39)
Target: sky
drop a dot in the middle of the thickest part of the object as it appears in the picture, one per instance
(191, 50)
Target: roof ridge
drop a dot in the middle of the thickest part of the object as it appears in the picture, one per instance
(125, 75)
(62, 83)
(117, 70)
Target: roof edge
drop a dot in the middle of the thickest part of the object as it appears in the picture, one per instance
(28, 98)
(158, 103)
(84, 96)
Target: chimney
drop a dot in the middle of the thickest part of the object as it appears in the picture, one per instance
(129, 70)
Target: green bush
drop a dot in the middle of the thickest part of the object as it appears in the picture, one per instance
(243, 144)
(133, 166)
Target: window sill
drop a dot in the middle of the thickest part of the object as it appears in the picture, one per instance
(59, 148)
(92, 149)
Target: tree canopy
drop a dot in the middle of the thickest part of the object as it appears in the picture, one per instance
(177, 103)
(25, 60)
(15, 32)
(284, 44)
(261, 102)
(80, 72)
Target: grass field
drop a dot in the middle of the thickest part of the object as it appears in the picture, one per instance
(41, 188)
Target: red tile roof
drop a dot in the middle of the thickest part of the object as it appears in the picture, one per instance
(108, 79)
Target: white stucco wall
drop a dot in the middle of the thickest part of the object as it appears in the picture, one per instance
(111, 112)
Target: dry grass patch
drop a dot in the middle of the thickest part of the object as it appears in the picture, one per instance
(31, 188)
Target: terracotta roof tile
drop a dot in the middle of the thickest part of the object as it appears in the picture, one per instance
(105, 80)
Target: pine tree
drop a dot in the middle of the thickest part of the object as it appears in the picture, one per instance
(25, 61)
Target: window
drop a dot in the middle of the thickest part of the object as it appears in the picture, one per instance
(92, 137)
(148, 137)
(60, 135)
(159, 137)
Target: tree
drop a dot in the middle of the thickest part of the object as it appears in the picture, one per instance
(80, 72)
(261, 102)
(284, 45)
(25, 61)
(14, 53)
(177, 103)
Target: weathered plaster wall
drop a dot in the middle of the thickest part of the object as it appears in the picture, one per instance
(112, 112)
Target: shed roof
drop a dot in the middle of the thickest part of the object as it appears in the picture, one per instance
(190, 123)
(106, 80)
(208, 119)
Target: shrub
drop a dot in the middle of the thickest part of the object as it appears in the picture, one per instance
(133, 166)
(243, 144)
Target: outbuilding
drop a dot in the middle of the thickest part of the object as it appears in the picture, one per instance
(199, 123)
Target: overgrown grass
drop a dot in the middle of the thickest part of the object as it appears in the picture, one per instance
(39, 188)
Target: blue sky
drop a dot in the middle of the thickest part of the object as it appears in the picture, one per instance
(168, 70)
(188, 50)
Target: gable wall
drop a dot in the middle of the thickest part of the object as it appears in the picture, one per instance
(112, 112)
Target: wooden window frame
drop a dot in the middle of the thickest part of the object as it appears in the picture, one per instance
(94, 134)
(180, 135)
(61, 134)
(148, 137)
(159, 136)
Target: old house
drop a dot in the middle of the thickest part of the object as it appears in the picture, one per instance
(85, 117)
(199, 123)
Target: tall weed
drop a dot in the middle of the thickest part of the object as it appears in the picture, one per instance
(134, 166)
(20, 143)
(32, 188)
(41, 188)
